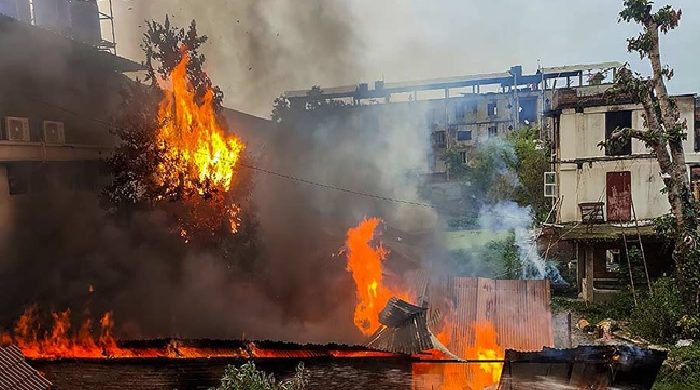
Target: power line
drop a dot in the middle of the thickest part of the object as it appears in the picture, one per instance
(110, 126)
(336, 188)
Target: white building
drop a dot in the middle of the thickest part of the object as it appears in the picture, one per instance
(607, 197)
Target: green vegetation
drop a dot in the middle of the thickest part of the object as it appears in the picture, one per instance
(661, 318)
(247, 377)
(510, 169)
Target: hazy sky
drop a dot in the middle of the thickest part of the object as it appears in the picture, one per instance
(259, 48)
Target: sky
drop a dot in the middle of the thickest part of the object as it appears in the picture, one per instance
(260, 48)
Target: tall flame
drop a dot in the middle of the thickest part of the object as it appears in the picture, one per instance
(59, 341)
(472, 376)
(197, 149)
(365, 265)
(485, 347)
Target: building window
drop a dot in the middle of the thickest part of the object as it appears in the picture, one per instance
(464, 135)
(463, 156)
(612, 261)
(492, 109)
(528, 110)
(550, 184)
(460, 111)
(695, 180)
(613, 121)
(439, 138)
(493, 131)
(18, 178)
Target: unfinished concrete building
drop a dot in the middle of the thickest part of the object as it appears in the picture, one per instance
(606, 198)
(450, 113)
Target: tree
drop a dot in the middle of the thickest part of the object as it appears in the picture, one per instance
(664, 133)
(201, 213)
(503, 170)
(530, 163)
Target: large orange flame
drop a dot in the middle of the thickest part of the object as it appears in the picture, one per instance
(198, 150)
(199, 157)
(59, 341)
(472, 376)
(485, 347)
(365, 264)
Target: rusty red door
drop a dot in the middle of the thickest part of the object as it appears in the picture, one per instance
(619, 196)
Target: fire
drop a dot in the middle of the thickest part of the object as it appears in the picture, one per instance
(365, 265)
(486, 347)
(59, 341)
(474, 375)
(199, 157)
(198, 151)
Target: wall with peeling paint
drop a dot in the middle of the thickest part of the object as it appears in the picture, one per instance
(581, 173)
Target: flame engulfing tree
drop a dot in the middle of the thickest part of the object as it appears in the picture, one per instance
(176, 154)
(665, 132)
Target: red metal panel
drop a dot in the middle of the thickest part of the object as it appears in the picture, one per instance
(619, 195)
(518, 309)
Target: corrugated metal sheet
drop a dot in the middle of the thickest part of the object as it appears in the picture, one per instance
(405, 329)
(518, 309)
(16, 374)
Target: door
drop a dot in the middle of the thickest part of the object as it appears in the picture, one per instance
(619, 196)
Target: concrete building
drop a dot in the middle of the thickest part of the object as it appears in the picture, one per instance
(606, 198)
(451, 113)
(460, 112)
(57, 95)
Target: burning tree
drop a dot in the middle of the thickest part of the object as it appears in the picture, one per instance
(177, 154)
(664, 134)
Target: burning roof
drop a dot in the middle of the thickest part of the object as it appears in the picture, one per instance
(405, 329)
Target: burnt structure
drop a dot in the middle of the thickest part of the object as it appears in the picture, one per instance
(585, 367)
(405, 331)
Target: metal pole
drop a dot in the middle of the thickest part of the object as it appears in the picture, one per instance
(111, 19)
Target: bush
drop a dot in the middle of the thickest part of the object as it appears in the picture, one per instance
(681, 370)
(662, 317)
(247, 377)
(618, 308)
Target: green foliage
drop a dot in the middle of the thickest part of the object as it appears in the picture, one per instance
(681, 370)
(247, 377)
(505, 169)
(532, 161)
(496, 259)
(164, 44)
(504, 257)
(617, 309)
(658, 315)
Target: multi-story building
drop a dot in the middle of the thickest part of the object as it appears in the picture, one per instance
(460, 112)
(57, 95)
(607, 197)
(455, 114)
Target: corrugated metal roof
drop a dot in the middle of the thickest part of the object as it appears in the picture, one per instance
(16, 374)
(518, 309)
(405, 329)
